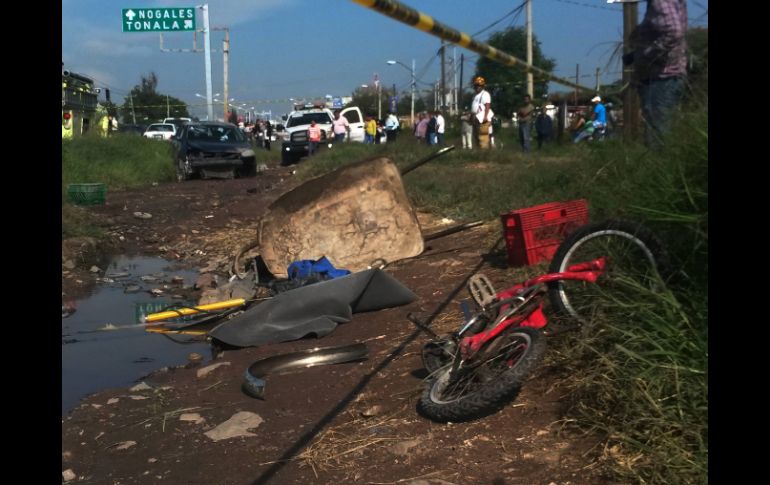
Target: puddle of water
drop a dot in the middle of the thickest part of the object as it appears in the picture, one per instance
(95, 359)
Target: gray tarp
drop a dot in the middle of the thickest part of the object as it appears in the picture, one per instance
(314, 309)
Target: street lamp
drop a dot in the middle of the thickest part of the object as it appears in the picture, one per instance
(411, 71)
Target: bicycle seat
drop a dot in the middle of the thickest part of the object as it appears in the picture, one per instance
(481, 290)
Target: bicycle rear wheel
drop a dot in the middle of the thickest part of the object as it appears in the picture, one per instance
(637, 265)
(485, 383)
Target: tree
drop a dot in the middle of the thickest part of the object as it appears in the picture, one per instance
(366, 99)
(508, 85)
(150, 106)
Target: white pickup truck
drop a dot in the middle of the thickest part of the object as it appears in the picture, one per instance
(295, 140)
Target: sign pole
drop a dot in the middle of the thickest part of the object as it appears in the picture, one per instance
(207, 56)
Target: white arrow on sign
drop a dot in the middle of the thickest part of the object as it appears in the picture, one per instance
(188, 24)
(130, 14)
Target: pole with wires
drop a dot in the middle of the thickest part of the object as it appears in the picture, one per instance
(407, 15)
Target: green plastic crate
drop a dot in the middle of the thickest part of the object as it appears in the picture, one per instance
(86, 194)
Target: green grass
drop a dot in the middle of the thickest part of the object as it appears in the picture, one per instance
(120, 162)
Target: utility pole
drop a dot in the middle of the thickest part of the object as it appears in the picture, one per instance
(207, 60)
(168, 108)
(460, 89)
(631, 104)
(225, 59)
(577, 81)
(530, 80)
(411, 121)
(133, 115)
(598, 85)
(443, 79)
(453, 82)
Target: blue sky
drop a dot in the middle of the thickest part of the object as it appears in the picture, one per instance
(281, 49)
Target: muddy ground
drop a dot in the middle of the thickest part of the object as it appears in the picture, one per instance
(346, 423)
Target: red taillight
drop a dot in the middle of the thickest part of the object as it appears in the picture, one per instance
(67, 116)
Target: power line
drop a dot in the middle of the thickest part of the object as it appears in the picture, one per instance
(512, 12)
(589, 5)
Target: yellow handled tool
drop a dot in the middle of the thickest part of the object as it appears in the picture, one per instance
(181, 312)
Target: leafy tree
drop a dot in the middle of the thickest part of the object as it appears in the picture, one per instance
(366, 99)
(508, 85)
(405, 103)
(150, 106)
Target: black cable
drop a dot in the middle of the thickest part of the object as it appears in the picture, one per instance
(512, 12)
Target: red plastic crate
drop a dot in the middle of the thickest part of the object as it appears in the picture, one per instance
(533, 234)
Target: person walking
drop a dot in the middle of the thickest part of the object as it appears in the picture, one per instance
(370, 130)
(659, 60)
(440, 128)
(313, 137)
(430, 130)
(341, 127)
(268, 134)
(421, 129)
(543, 128)
(466, 130)
(481, 107)
(391, 127)
(524, 115)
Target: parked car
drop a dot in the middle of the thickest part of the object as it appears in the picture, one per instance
(212, 149)
(160, 131)
(178, 122)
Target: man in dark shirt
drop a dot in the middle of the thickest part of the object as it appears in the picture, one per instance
(525, 115)
(543, 128)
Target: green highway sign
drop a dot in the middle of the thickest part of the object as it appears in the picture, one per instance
(179, 19)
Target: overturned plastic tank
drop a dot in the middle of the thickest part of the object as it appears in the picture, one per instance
(357, 216)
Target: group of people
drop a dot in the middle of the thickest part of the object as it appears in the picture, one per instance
(430, 128)
(375, 128)
(262, 131)
(659, 56)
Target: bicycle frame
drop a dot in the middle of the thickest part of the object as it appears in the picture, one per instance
(511, 301)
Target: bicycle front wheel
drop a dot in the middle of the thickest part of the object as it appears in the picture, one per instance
(485, 383)
(637, 265)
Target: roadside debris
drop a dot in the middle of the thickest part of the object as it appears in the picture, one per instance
(254, 383)
(192, 417)
(124, 445)
(142, 215)
(236, 426)
(206, 370)
(313, 309)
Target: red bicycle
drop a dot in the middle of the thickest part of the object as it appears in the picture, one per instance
(598, 273)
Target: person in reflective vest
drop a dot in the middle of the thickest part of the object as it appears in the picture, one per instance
(105, 125)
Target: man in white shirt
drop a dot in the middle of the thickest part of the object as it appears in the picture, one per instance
(482, 113)
(440, 128)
